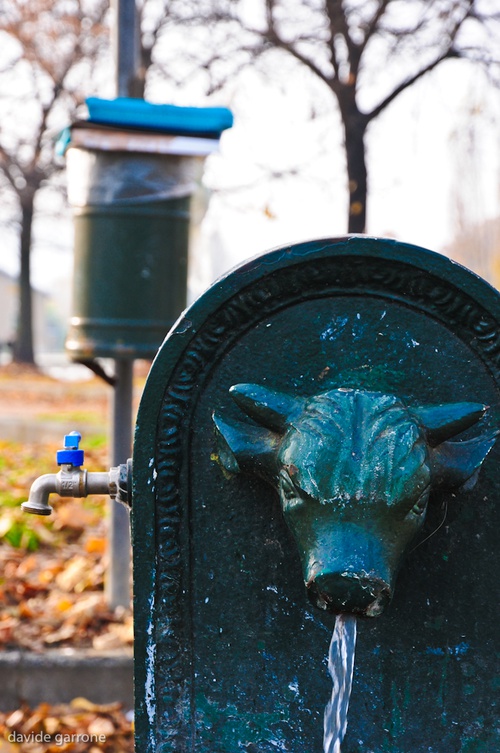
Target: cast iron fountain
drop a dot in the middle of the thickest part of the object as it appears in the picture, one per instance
(347, 381)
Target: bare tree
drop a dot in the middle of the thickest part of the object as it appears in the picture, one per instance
(50, 50)
(365, 52)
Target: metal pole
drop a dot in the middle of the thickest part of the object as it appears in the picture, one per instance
(119, 567)
(126, 46)
(118, 573)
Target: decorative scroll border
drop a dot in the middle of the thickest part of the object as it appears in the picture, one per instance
(307, 279)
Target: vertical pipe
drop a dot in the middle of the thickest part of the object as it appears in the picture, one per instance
(118, 573)
(126, 46)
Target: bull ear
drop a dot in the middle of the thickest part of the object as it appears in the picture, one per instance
(441, 422)
(242, 447)
(269, 408)
(455, 463)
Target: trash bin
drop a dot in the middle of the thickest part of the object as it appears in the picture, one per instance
(132, 170)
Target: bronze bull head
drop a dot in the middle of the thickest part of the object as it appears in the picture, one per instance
(354, 471)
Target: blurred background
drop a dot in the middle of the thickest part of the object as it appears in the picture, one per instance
(376, 116)
(402, 92)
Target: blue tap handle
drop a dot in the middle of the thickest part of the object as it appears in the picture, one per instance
(70, 454)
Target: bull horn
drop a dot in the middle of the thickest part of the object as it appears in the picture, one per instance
(242, 447)
(269, 408)
(441, 422)
(455, 463)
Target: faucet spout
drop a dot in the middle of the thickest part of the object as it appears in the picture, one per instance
(42, 487)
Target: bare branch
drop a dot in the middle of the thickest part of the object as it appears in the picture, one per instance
(7, 163)
(448, 55)
(339, 27)
(374, 24)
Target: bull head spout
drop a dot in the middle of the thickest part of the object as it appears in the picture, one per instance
(354, 470)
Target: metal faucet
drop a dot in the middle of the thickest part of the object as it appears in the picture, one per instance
(74, 481)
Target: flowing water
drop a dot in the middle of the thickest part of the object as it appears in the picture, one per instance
(340, 667)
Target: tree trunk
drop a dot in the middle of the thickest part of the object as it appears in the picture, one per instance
(355, 131)
(23, 346)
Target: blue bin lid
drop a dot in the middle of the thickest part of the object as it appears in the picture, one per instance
(126, 112)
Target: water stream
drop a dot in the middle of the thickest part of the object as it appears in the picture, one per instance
(340, 667)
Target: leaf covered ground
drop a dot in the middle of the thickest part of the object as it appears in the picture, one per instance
(79, 727)
(52, 572)
(52, 569)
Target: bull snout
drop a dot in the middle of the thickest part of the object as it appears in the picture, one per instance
(357, 593)
(349, 570)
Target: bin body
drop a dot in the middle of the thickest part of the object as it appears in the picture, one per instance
(131, 224)
(130, 277)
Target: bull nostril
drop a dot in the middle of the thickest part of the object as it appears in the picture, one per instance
(357, 593)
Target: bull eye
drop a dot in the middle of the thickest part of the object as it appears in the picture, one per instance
(289, 493)
(420, 505)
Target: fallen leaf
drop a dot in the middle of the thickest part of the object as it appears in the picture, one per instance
(73, 721)
(6, 523)
(33, 723)
(25, 610)
(14, 719)
(8, 747)
(95, 545)
(27, 566)
(63, 634)
(47, 575)
(86, 607)
(125, 631)
(75, 576)
(51, 725)
(101, 726)
(62, 605)
(85, 705)
(7, 627)
(106, 642)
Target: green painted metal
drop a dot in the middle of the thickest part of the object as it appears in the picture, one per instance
(230, 654)
(354, 471)
(130, 277)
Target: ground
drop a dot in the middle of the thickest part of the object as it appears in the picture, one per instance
(78, 727)
(52, 569)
